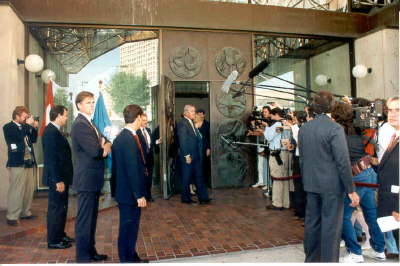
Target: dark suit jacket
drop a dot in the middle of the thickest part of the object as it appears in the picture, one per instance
(205, 132)
(188, 141)
(127, 182)
(324, 157)
(148, 153)
(388, 175)
(89, 161)
(13, 135)
(57, 157)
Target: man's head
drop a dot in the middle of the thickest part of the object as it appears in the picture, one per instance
(59, 115)
(20, 114)
(276, 114)
(393, 107)
(189, 111)
(266, 112)
(84, 101)
(132, 115)
(144, 120)
(323, 102)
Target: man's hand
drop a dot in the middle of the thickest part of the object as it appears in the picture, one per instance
(142, 202)
(30, 121)
(396, 216)
(60, 187)
(106, 149)
(355, 199)
(208, 152)
(188, 159)
(374, 161)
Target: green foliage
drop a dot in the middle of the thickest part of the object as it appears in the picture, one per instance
(127, 88)
(61, 97)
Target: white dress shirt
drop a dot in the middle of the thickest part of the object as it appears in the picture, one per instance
(385, 134)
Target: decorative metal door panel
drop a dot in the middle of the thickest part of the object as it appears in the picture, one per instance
(166, 104)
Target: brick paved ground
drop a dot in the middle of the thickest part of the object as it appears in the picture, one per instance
(237, 220)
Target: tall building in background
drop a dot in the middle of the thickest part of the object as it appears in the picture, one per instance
(137, 57)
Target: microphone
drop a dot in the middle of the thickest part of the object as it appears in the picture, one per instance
(229, 81)
(259, 68)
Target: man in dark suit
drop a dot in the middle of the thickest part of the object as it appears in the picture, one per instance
(148, 143)
(57, 174)
(190, 145)
(388, 168)
(90, 148)
(327, 176)
(20, 134)
(128, 176)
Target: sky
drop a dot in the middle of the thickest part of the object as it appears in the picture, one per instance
(99, 69)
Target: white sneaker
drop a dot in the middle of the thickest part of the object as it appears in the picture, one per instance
(265, 187)
(266, 194)
(258, 185)
(375, 255)
(352, 258)
(366, 245)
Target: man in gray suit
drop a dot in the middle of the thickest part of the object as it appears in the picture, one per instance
(327, 176)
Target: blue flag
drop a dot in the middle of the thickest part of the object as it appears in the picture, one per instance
(102, 122)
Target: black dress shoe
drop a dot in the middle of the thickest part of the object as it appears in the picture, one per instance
(12, 222)
(68, 239)
(99, 257)
(274, 208)
(141, 261)
(204, 202)
(188, 201)
(61, 245)
(28, 217)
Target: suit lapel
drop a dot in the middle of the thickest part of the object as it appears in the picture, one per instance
(97, 133)
(387, 155)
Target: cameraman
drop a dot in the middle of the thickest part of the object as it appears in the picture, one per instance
(20, 134)
(363, 172)
(258, 124)
(279, 161)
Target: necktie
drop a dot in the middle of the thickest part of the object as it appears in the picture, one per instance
(144, 132)
(392, 143)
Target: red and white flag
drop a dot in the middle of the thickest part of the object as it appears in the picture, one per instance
(48, 106)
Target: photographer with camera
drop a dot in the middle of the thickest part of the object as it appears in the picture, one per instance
(279, 142)
(20, 134)
(363, 172)
(258, 121)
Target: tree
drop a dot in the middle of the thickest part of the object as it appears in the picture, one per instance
(127, 88)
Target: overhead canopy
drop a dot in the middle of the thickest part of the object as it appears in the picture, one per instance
(76, 47)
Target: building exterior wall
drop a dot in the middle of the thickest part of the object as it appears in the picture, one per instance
(12, 76)
(379, 51)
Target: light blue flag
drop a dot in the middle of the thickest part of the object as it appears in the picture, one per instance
(102, 122)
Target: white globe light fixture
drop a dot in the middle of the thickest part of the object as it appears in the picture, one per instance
(322, 80)
(48, 75)
(33, 63)
(360, 71)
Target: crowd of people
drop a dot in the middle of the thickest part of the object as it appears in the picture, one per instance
(329, 172)
(132, 165)
(315, 161)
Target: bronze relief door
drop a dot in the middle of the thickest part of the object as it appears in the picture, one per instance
(166, 107)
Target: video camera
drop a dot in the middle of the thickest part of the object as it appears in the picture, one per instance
(368, 116)
(256, 116)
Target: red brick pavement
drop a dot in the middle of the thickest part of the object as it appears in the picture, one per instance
(236, 220)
